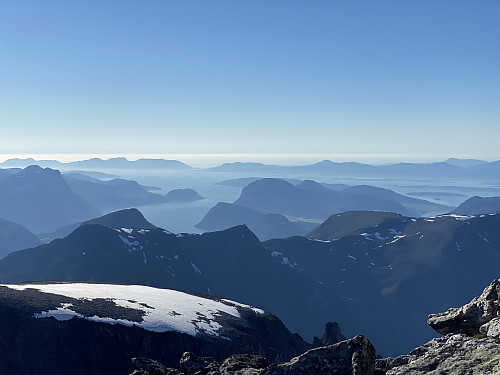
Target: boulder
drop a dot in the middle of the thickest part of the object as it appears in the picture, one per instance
(350, 357)
(452, 354)
(470, 318)
(148, 366)
(191, 364)
(243, 364)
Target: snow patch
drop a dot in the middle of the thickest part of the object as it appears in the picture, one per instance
(164, 310)
(238, 304)
(196, 269)
(133, 245)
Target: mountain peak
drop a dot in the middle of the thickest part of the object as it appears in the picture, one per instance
(127, 218)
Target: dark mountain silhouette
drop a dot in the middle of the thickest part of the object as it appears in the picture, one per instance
(83, 328)
(182, 195)
(119, 193)
(397, 270)
(229, 263)
(15, 237)
(312, 200)
(225, 215)
(41, 200)
(478, 205)
(265, 226)
(128, 218)
(348, 223)
(380, 281)
(244, 181)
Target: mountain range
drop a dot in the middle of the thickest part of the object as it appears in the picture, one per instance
(264, 226)
(452, 168)
(117, 193)
(312, 200)
(51, 204)
(276, 208)
(15, 237)
(379, 277)
(478, 205)
(41, 200)
(97, 163)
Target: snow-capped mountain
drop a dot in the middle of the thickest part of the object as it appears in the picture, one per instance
(85, 328)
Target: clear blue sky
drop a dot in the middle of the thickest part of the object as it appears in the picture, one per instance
(367, 78)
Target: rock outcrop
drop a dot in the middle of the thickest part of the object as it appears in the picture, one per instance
(349, 357)
(148, 366)
(471, 344)
(478, 318)
(451, 354)
(355, 356)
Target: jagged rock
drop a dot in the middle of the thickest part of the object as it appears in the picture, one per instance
(383, 365)
(350, 357)
(243, 364)
(148, 366)
(332, 335)
(191, 364)
(491, 329)
(453, 354)
(469, 318)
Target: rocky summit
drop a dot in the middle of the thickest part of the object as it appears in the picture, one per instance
(349, 357)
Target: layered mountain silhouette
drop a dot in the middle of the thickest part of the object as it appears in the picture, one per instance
(461, 168)
(312, 200)
(244, 181)
(478, 205)
(41, 200)
(97, 163)
(119, 193)
(15, 237)
(380, 280)
(265, 226)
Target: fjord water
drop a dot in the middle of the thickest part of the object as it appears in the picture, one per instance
(182, 217)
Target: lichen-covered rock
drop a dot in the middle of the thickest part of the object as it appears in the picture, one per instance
(491, 329)
(243, 364)
(452, 354)
(148, 366)
(469, 318)
(350, 357)
(191, 364)
(383, 365)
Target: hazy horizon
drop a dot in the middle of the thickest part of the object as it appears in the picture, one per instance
(209, 160)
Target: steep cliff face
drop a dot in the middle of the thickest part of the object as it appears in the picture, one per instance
(83, 328)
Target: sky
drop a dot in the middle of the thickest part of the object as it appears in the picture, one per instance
(250, 80)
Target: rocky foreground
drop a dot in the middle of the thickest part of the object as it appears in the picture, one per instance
(471, 345)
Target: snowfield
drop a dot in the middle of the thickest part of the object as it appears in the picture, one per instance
(163, 309)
